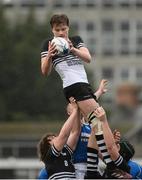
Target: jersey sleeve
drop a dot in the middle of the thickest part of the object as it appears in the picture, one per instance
(69, 150)
(122, 164)
(77, 42)
(44, 48)
(51, 154)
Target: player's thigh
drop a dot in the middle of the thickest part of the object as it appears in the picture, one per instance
(87, 106)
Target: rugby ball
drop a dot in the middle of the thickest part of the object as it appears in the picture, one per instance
(62, 45)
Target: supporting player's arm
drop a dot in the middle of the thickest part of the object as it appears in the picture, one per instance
(102, 88)
(65, 131)
(75, 132)
(110, 141)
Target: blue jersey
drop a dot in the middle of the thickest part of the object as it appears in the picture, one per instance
(136, 170)
(80, 153)
(43, 174)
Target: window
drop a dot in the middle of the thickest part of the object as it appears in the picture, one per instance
(92, 45)
(124, 74)
(107, 73)
(90, 3)
(139, 45)
(27, 152)
(139, 74)
(107, 25)
(108, 52)
(57, 4)
(27, 3)
(7, 152)
(124, 38)
(8, 3)
(90, 26)
(124, 3)
(92, 41)
(138, 3)
(139, 41)
(124, 26)
(107, 44)
(139, 51)
(75, 26)
(108, 3)
(124, 51)
(124, 41)
(139, 26)
(74, 3)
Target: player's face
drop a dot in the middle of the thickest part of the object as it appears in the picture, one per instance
(60, 30)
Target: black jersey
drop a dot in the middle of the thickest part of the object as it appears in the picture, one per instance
(118, 170)
(70, 67)
(59, 164)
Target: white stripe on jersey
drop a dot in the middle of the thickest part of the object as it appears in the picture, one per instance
(54, 151)
(83, 134)
(63, 175)
(69, 67)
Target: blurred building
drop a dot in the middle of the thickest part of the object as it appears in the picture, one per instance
(112, 30)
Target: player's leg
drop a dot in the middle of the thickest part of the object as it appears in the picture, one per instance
(85, 98)
(87, 108)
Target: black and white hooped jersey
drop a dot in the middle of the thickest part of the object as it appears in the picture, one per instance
(59, 164)
(69, 67)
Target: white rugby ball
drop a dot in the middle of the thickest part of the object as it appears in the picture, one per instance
(62, 45)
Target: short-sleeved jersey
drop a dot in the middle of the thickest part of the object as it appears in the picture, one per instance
(135, 170)
(59, 164)
(80, 153)
(69, 67)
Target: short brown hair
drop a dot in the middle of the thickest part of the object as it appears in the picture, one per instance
(43, 146)
(127, 150)
(59, 19)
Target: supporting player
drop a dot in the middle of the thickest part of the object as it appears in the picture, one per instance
(56, 151)
(116, 164)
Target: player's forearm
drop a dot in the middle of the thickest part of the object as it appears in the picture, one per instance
(46, 66)
(83, 54)
(109, 140)
(98, 94)
(77, 123)
(67, 127)
(102, 88)
(74, 135)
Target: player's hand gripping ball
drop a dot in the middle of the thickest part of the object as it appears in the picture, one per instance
(62, 45)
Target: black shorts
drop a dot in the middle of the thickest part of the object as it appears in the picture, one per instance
(80, 91)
